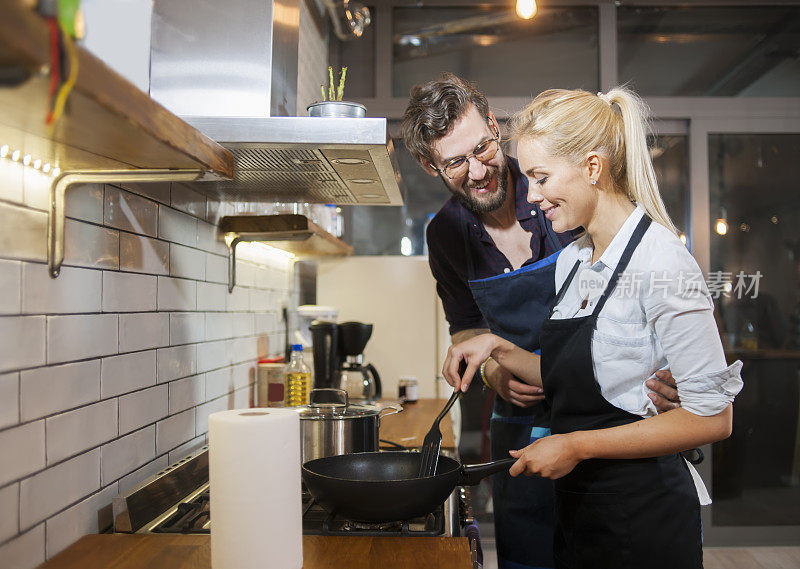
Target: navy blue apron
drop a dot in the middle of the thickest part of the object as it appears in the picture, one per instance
(612, 514)
(515, 304)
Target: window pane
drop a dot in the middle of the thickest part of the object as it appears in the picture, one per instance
(488, 45)
(710, 51)
(671, 163)
(358, 55)
(376, 230)
(756, 472)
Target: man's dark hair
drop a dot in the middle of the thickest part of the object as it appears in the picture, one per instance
(433, 109)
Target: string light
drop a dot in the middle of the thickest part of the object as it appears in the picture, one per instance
(28, 160)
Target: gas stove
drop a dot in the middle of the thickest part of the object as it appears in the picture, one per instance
(176, 500)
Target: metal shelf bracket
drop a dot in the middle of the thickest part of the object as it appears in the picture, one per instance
(62, 182)
(232, 262)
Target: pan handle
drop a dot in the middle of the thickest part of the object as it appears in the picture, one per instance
(472, 474)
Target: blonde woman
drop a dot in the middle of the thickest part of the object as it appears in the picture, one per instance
(631, 301)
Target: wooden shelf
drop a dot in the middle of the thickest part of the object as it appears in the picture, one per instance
(108, 124)
(110, 130)
(293, 233)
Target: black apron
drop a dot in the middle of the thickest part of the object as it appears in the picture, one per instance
(515, 305)
(615, 514)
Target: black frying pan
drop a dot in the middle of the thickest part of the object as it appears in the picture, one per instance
(384, 486)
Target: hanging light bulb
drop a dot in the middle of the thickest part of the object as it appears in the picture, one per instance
(406, 248)
(526, 9)
(721, 225)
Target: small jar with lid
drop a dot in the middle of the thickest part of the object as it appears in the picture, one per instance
(408, 389)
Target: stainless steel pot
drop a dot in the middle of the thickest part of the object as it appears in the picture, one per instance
(330, 425)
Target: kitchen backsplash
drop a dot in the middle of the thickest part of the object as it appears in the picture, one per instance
(109, 372)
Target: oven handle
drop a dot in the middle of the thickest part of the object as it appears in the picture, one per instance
(473, 534)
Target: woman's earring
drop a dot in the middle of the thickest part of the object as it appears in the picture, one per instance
(593, 182)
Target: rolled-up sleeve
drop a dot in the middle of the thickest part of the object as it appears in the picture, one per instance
(679, 309)
(710, 393)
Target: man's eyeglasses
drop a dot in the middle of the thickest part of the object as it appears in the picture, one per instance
(485, 151)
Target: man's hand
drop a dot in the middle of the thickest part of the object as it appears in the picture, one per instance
(510, 388)
(665, 392)
(473, 352)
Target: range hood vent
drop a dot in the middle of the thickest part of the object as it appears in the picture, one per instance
(230, 70)
(343, 161)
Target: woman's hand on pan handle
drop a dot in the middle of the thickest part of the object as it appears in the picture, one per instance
(473, 352)
(549, 457)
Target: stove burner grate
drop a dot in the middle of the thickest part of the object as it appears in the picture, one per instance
(317, 521)
(194, 517)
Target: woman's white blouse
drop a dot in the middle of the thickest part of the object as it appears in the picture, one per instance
(659, 316)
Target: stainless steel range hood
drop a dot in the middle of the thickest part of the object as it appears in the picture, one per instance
(230, 69)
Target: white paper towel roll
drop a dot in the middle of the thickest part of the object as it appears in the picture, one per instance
(254, 462)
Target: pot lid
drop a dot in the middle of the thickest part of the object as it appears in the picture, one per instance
(334, 404)
(322, 411)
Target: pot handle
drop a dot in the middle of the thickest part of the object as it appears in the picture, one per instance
(340, 392)
(472, 474)
(395, 409)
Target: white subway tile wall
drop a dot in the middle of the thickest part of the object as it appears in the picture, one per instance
(9, 399)
(90, 245)
(132, 480)
(9, 511)
(86, 203)
(109, 373)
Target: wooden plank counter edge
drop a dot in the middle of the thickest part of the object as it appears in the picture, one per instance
(124, 551)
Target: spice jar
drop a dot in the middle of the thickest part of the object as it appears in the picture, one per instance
(408, 389)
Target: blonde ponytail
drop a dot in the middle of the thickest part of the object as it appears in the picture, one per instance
(571, 124)
(640, 176)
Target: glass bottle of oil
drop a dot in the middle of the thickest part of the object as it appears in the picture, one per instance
(297, 379)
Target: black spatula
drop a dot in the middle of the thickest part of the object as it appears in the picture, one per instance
(433, 441)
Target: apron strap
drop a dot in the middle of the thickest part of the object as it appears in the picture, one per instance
(563, 290)
(635, 239)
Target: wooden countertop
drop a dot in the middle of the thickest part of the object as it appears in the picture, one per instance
(410, 427)
(121, 551)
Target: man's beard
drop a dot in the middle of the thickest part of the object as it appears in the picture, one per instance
(477, 206)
